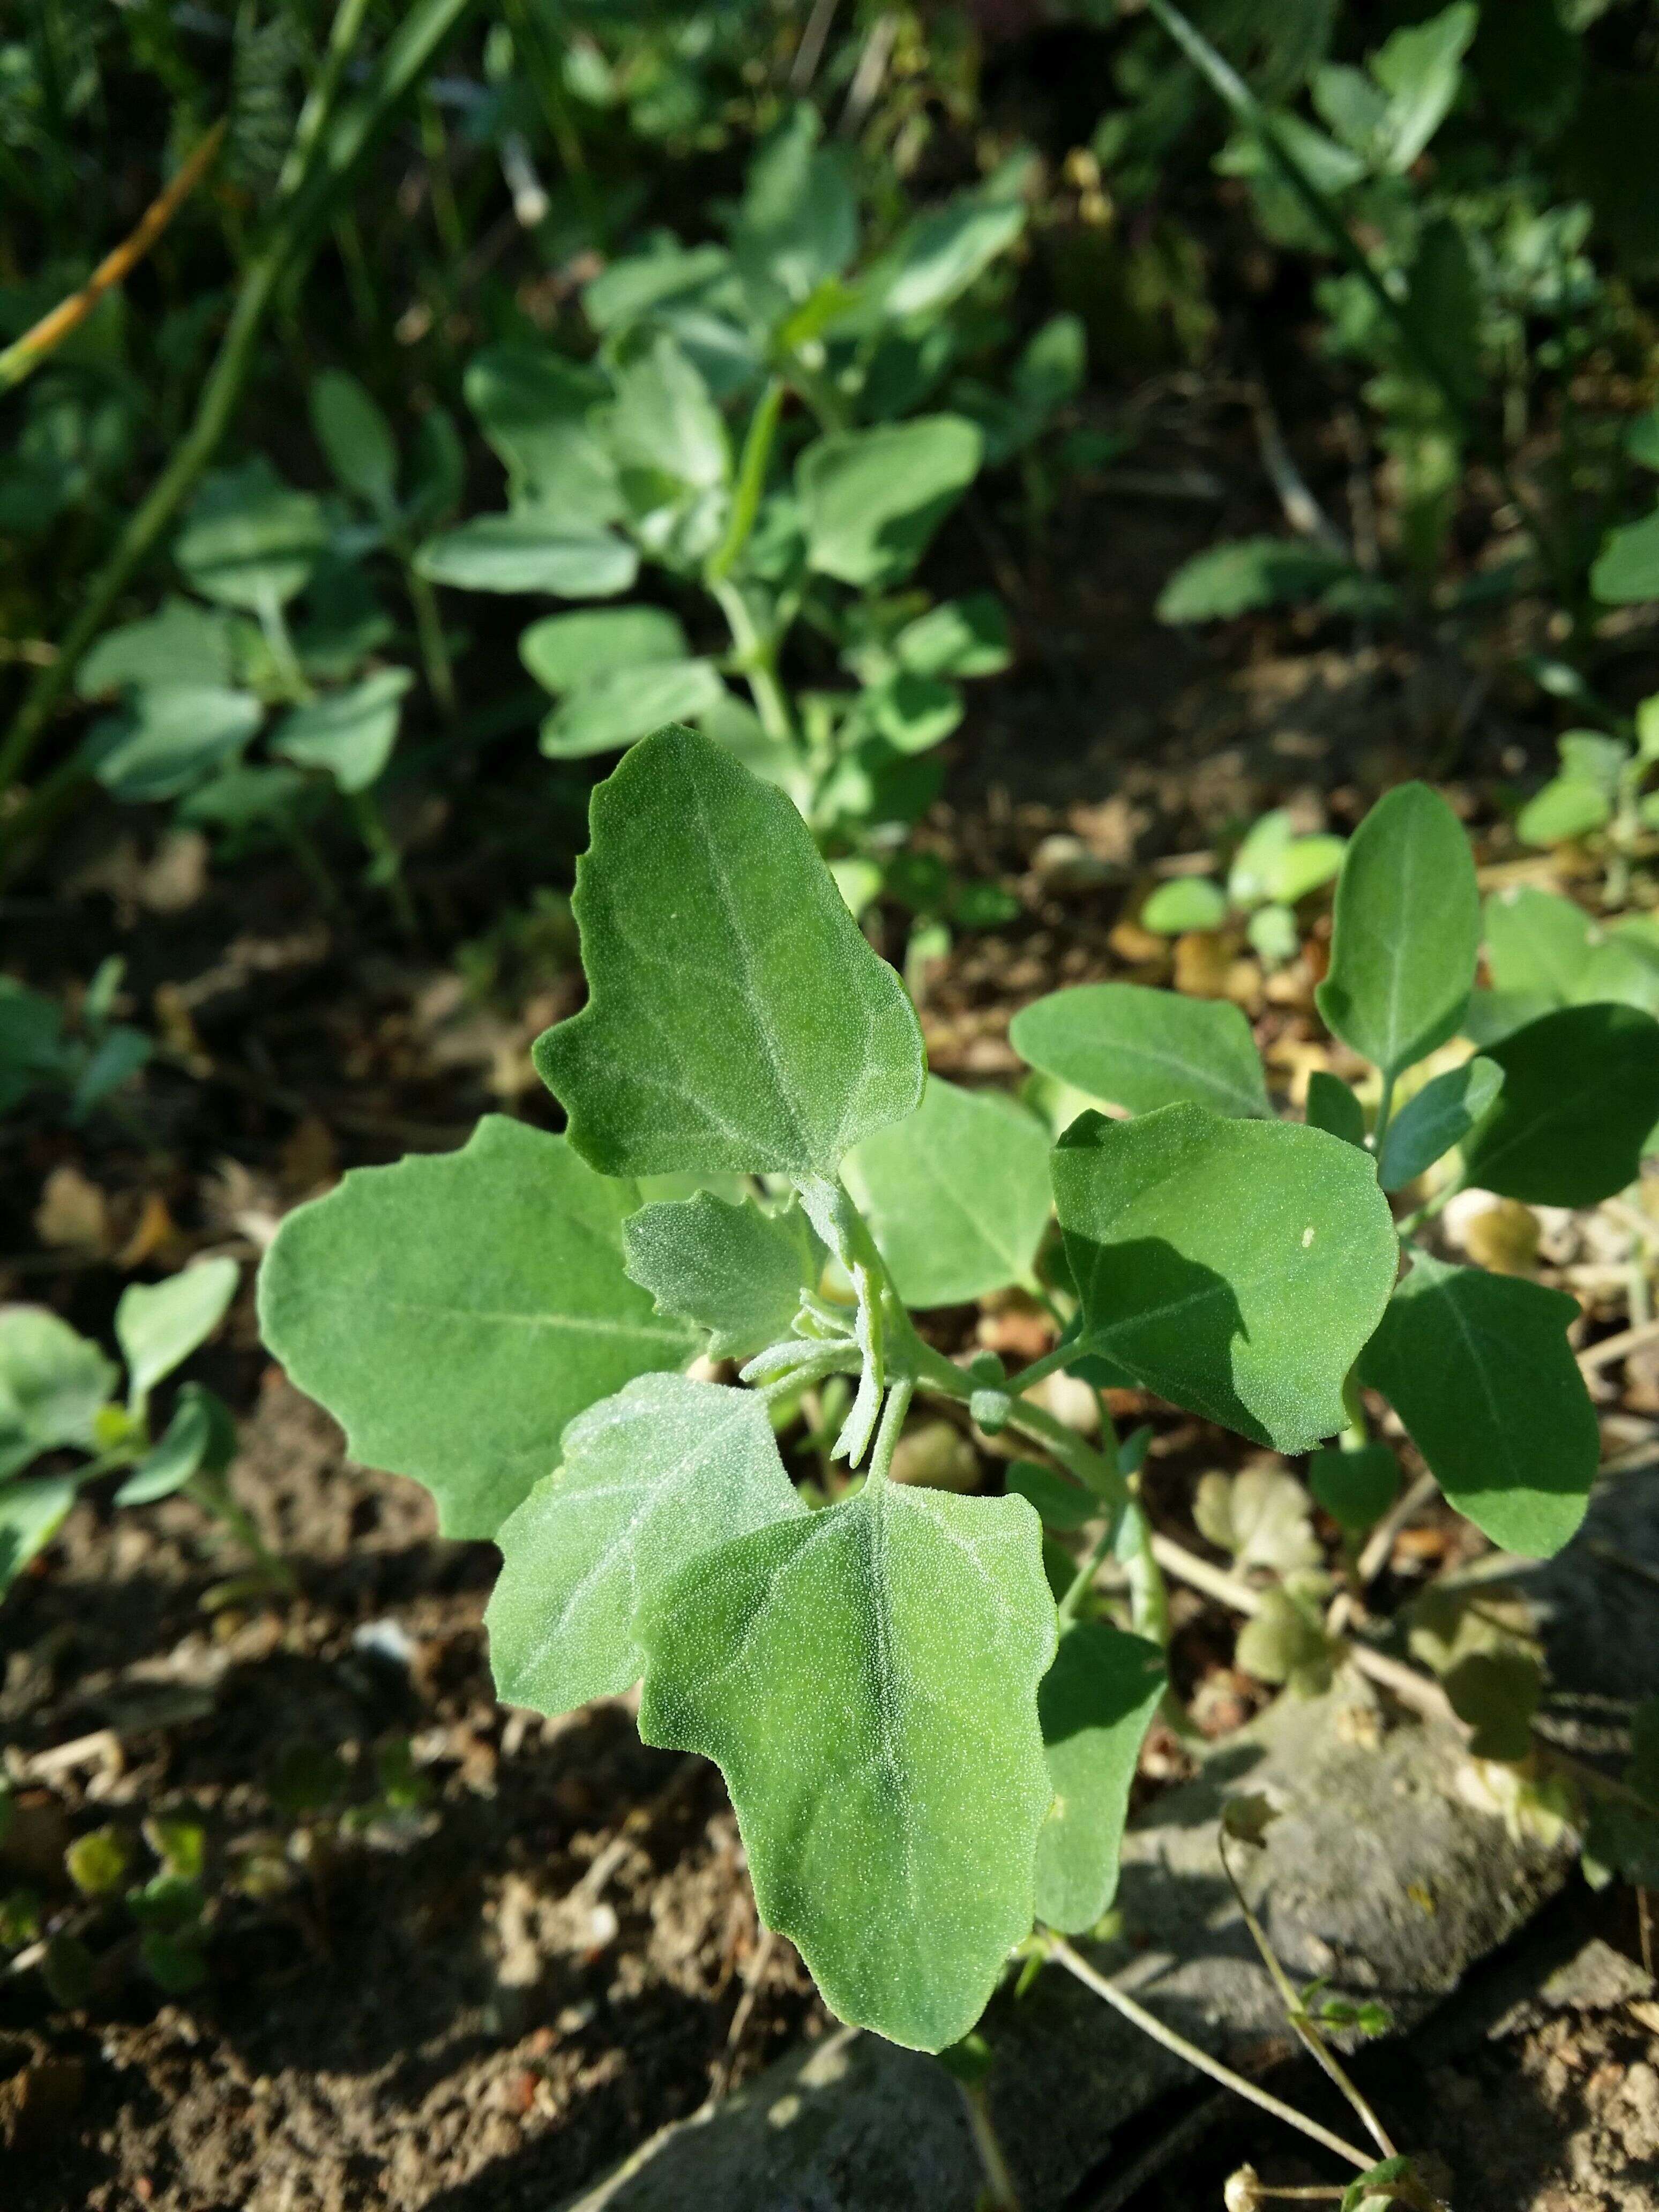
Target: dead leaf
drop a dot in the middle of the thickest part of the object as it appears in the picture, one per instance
(73, 1214)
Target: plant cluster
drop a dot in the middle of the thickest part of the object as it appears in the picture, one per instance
(927, 1718)
(60, 1394)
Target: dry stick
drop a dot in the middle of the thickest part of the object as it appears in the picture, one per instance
(1307, 2033)
(1615, 1347)
(1379, 1545)
(26, 354)
(1149, 2024)
(1403, 1681)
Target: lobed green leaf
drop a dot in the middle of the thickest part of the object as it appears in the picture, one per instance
(737, 1019)
(733, 1271)
(865, 1679)
(455, 1311)
(648, 1481)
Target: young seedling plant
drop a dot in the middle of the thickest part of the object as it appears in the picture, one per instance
(60, 1394)
(928, 1745)
(772, 430)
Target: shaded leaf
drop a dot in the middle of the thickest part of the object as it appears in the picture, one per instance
(168, 738)
(621, 704)
(1224, 581)
(53, 1384)
(563, 651)
(1333, 1106)
(1478, 1368)
(356, 438)
(870, 500)
(527, 550)
(1096, 1703)
(1581, 1092)
(349, 735)
(1440, 1115)
(249, 539)
(1250, 1313)
(1356, 1487)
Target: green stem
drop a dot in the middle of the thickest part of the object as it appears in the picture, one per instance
(1094, 1470)
(892, 1427)
(750, 485)
(429, 632)
(213, 1494)
(757, 658)
(1311, 2039)
(1082, 1580)
(295, 682)
(329, 155)
(1384, 1115)
(386, 867)
(1077, 1965)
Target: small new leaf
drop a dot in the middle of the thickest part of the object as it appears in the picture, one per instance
(733, 1270)
(1441, 1115)
(1406, 931)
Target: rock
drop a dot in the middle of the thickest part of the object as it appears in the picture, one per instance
(1379, 1874)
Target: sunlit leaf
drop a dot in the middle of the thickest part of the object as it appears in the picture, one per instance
(1096, 1703)
(648, 1481)
(1129, 1046)
(796, 1041)
(865, 1679)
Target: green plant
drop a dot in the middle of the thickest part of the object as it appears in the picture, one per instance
(1597, 796)
(200, 680)
(60, 1395)
(926, 1747)
(1272, 871)
(81, 1065)
(328, 139)
(679, 450)
(1439, 174)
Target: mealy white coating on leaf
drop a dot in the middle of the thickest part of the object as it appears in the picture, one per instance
(865, 1679)
(735, 1271)
(648, 1480)
(737, 1020)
